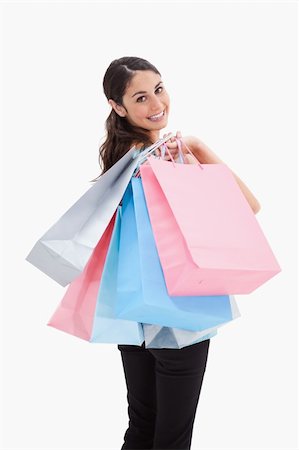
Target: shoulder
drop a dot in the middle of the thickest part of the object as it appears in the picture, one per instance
(138, 145)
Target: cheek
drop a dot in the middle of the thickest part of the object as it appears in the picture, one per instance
(138, 112)
(166, 99)
(142, 112)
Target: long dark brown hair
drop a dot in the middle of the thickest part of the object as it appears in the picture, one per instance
(121, 135)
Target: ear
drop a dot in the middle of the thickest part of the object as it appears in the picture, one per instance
(120, 110)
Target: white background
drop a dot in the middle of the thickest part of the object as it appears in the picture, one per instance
(230, 70)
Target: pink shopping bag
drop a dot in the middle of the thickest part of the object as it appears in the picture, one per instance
(75, 313)
(208, 238)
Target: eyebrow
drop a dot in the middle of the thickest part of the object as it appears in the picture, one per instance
(144, 92)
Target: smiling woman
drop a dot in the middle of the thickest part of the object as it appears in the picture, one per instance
(152, 106)
(163, 377)
(140, 107)
(163, 381)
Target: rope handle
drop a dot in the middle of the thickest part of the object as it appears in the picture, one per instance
(179, 142)
(150, 150)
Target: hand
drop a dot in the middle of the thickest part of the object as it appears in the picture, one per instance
(190, 141)
(172, 147)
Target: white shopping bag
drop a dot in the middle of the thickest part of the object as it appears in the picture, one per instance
(62, 252)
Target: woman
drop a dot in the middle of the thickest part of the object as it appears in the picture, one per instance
(163, 384)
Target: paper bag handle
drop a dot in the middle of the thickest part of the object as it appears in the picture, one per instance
(179, 142)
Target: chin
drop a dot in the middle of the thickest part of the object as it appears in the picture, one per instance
(159, 126)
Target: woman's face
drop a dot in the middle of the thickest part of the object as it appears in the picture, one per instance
(146, 103)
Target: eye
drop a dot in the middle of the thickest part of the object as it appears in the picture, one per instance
(143, 96)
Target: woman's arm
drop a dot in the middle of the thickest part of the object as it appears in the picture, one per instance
(206, 156)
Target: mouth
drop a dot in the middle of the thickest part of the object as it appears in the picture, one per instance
(157, 117)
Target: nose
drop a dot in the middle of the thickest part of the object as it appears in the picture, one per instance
(156, 106)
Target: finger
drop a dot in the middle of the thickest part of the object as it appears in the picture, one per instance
(173, 155)
(166, 155)
(172, 144)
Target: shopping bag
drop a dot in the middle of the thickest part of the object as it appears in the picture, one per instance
(76, 312)
(156, 336)
(208, 238)
(63, 251)
(141, 289)
(107, 328)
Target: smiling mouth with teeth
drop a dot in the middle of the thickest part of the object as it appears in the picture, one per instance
(157, 116)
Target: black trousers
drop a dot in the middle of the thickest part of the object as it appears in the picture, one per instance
(163, 388)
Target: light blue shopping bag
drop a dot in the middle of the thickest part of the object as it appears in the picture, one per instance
(107, 328)
(141, 291)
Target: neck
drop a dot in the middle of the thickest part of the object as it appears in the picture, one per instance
(155, 135)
